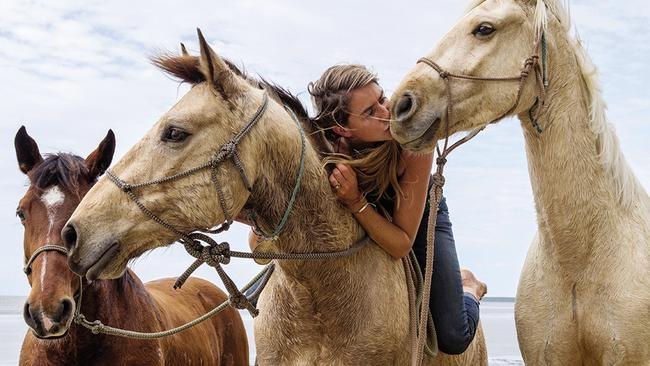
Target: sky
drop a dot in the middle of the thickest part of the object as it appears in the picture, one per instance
(73, 69)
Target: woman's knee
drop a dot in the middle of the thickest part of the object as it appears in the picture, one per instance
(454, 343)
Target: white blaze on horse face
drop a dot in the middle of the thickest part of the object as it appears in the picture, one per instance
(52, 199)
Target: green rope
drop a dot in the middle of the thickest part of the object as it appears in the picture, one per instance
(544, 59)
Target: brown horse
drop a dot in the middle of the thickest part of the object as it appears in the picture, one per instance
(57, 185)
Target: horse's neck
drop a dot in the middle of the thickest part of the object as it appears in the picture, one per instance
(114, 302)
(317, 222)
(576, 195)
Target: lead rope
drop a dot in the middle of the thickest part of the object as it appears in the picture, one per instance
(435, 196)
(97, 327)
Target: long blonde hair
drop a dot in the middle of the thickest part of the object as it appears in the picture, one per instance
(376, 167)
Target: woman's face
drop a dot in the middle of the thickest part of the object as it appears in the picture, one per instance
(368, 115)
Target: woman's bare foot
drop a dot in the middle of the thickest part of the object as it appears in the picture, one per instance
(472, 285)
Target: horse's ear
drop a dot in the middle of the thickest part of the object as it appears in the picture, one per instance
(26, 151)
(216, 70)
(184, 50)
(100, 159)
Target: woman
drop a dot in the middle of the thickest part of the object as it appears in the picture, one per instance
(386, 189)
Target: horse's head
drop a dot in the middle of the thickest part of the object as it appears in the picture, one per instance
(57, 184)
(495, 39)
(109, 228)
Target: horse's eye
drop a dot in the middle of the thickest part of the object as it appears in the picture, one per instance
(483, 30)
(174, 134)
(20, 214)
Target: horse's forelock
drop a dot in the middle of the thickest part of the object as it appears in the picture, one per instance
(62, 169)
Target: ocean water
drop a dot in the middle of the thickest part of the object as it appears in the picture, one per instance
(497, 316)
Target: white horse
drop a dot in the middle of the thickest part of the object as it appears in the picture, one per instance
(584, 293)
(347, 311)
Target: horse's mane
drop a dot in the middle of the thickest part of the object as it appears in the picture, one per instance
(63, 169)
(186, 68)
(610, 155)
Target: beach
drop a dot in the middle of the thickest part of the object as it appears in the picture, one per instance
(496, 315)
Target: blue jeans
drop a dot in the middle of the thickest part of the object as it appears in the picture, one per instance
(455, 314)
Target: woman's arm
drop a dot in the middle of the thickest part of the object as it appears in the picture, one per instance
(395, 238)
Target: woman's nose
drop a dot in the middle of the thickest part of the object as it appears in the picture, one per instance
(384, 109)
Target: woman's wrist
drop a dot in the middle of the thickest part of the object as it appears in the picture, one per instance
(359, 206)
(356, 203)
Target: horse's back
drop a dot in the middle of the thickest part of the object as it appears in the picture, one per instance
(220, 340)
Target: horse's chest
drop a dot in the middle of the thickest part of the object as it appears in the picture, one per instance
(602, 326)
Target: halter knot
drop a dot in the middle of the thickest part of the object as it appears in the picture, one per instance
(225, 226)
(226, 151)
(78, 319)
(441, 160)
(213, 255)
(97, 327)
(443, 74)
(238, 301)
(438, 180)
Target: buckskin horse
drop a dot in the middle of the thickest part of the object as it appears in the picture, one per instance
(344, 311)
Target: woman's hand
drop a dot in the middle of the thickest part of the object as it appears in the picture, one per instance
(344, 183)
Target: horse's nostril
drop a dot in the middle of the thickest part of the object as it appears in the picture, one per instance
(404, 107)
(65, 311)
(69, 236)
(29, 316)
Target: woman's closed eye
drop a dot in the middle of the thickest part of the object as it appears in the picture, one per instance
(373, 110)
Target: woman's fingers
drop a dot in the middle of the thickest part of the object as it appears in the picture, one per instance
(347, 173)
(339, 177)
(334, 182)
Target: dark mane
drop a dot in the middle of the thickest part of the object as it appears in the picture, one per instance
(65, 170)
(186, 68)
(315, 135)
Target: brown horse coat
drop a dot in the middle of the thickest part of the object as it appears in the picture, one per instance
(58, 182)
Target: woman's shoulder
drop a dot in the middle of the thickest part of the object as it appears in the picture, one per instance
(415, 163)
